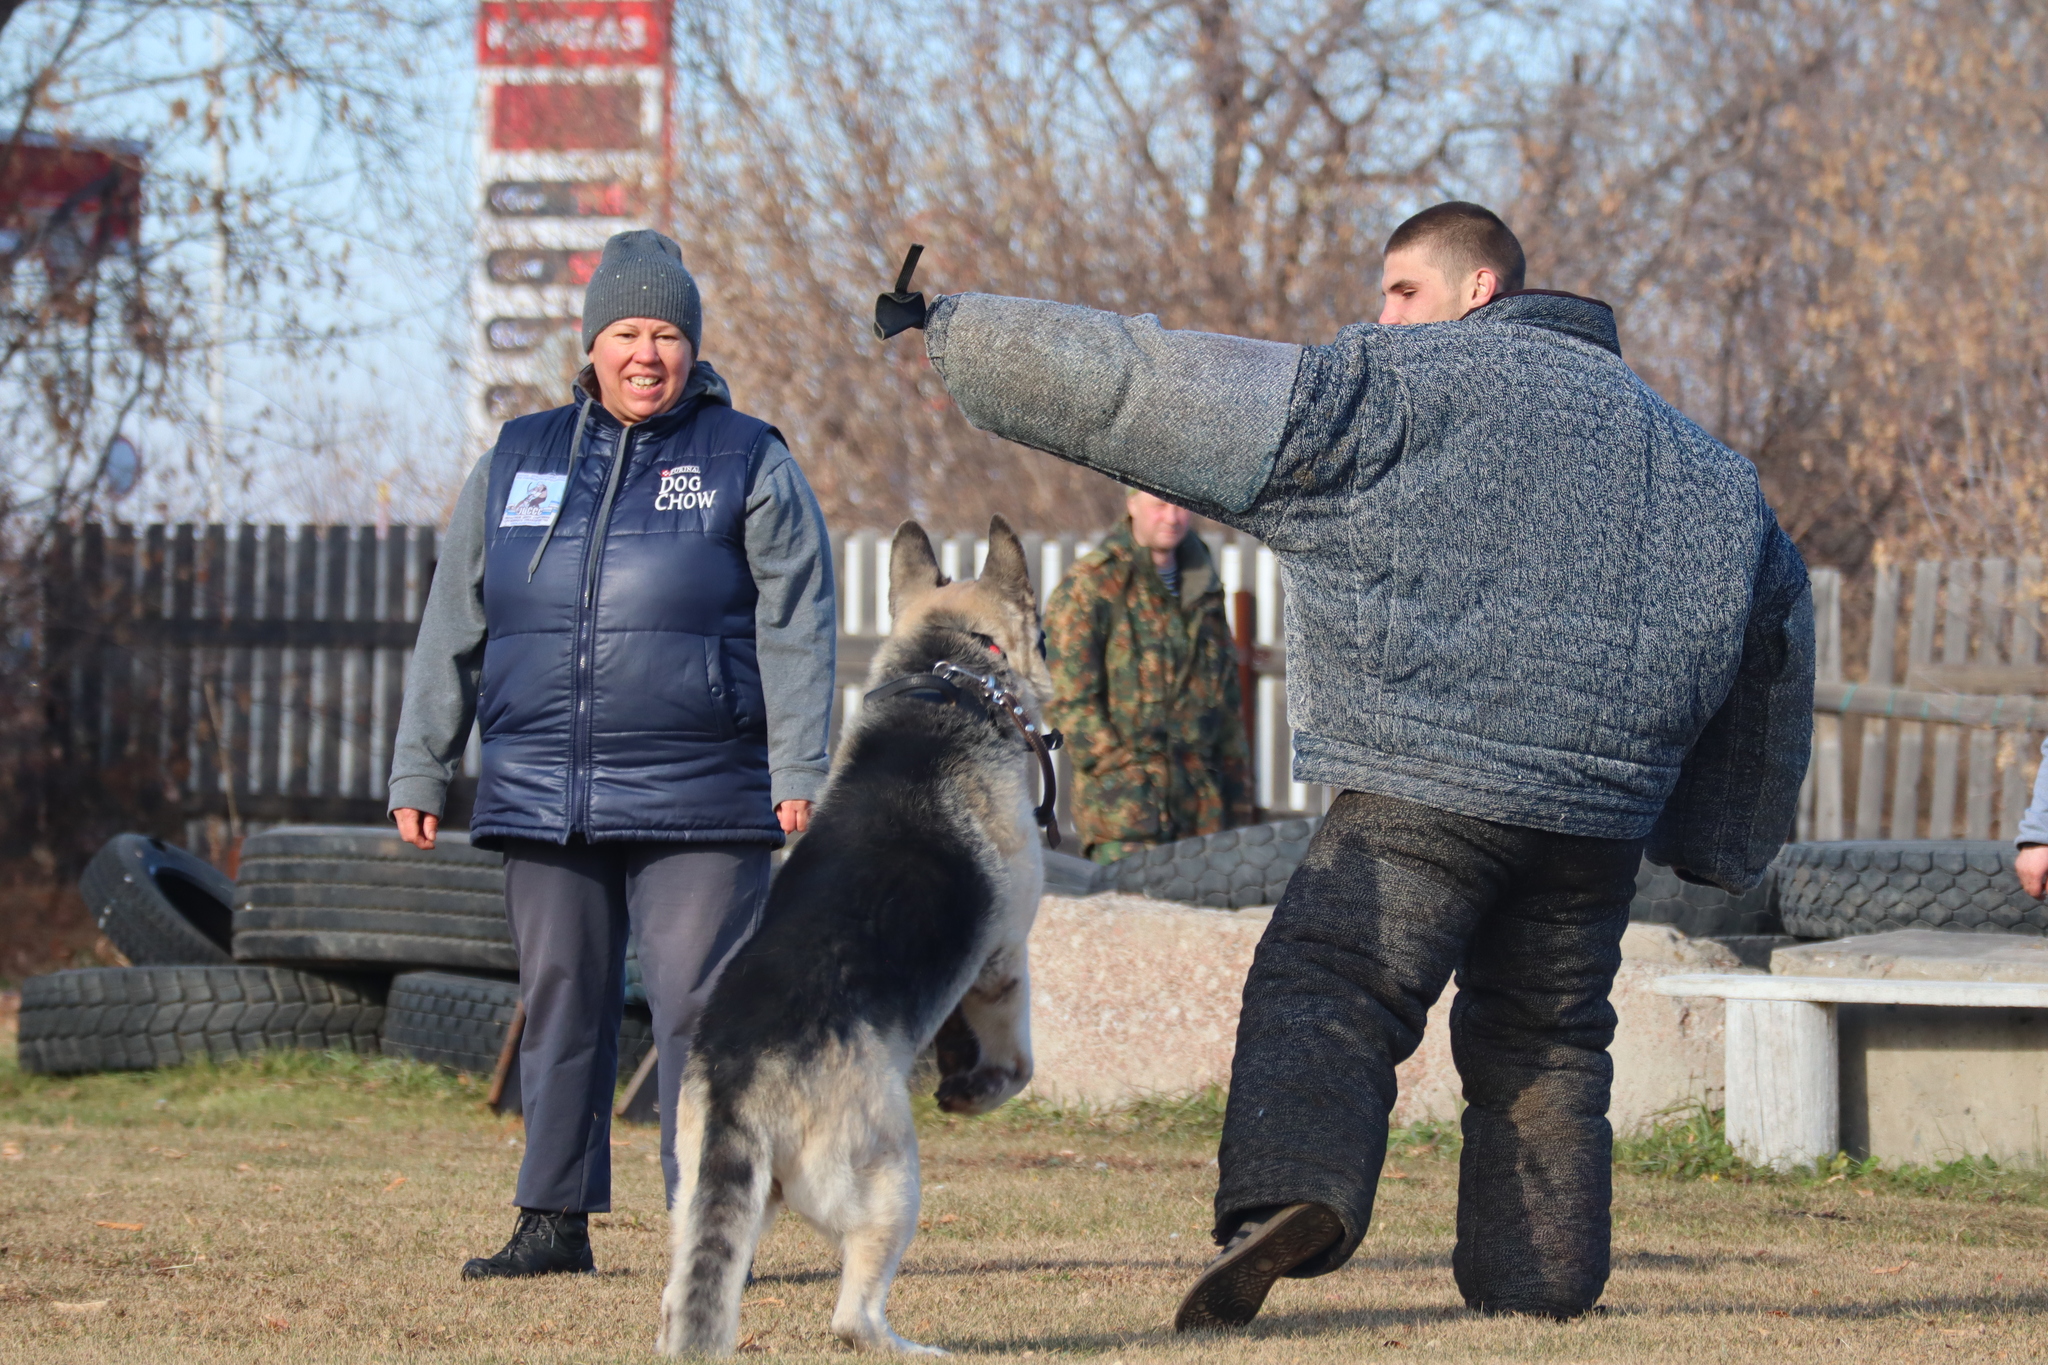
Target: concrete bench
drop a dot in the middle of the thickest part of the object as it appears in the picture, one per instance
(1783, 1055)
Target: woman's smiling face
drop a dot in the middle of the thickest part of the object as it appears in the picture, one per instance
(642, 365)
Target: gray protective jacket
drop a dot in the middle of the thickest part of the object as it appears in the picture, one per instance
(1520, 586)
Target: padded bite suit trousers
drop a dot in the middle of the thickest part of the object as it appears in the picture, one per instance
(690, 906)
(1392, 899)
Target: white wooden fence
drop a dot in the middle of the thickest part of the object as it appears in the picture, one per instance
(1933, 733)
(1244, 565)
(1940, 736)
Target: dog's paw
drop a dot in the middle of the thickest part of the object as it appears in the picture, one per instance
(980, 1090)
(865, 1338)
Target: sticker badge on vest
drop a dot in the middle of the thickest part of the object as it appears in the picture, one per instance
(534, 500)
(682, 490)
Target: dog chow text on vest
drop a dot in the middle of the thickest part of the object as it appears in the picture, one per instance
(682, 490)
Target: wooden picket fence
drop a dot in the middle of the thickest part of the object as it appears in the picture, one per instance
(1253, 599)
(1940, 736)
(253, 674)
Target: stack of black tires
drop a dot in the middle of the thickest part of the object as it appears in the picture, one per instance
(332, 937)
(348, 938)
(1812, 891)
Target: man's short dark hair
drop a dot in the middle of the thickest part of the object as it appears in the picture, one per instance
(1462, 238)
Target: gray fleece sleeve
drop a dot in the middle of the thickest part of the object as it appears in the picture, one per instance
(796, 623)
(1738, 790)
(2033, 827)
(440, 685)
(1195, 416)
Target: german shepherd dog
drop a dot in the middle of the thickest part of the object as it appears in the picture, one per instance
(904, 907)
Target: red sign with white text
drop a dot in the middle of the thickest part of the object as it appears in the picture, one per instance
(572, 33)
(566, 118)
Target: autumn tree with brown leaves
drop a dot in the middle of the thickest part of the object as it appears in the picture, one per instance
(1825, 227)
(1819, 221)
(1225, 165)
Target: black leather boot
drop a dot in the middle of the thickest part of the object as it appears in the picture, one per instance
(542, 1244)
(1233, 1288)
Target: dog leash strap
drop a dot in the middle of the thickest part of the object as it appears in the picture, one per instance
(987, 698)
(948, 692)
(1048, 818)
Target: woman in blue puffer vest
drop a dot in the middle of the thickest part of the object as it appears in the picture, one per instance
(634, 604)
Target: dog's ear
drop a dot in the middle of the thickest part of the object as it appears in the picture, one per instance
(1006, 569)
(913, 568)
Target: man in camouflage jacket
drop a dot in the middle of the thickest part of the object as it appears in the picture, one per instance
(1145, 688)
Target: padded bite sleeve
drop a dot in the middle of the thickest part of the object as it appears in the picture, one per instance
(1194, 416)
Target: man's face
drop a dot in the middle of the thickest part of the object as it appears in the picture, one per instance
(1156, 524)
(1417, 290)
(642, 365)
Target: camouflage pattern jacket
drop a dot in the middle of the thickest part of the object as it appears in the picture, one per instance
(1145, 688)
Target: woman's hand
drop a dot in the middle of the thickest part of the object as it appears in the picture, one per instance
(793, 816)
(417, 827)
(2032, 867)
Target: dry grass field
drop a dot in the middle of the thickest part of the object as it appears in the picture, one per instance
(317, 1209)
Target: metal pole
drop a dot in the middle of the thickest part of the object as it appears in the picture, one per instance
(216, 350)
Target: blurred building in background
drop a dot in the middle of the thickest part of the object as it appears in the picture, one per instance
(68, 202)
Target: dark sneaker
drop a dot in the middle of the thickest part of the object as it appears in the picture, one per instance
(1230, 1292)
(542, 1244)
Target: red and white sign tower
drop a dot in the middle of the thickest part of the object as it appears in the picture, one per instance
(573, 138)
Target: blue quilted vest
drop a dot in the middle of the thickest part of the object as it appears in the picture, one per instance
(621, 697)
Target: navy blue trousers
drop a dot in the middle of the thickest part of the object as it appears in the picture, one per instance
(1392, 898)
(689, 906)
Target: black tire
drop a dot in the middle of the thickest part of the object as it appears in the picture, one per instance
(134, 1018)
(360, 897)
(1226, 871)
(1704, 911)
(1250, 866)
(1066, 875)
(459, 1022)
(1836, 890)
(158, 904)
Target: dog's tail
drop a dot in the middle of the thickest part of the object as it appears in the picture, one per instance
(716, 1225)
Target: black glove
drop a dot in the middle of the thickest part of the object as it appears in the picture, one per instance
(902, 310)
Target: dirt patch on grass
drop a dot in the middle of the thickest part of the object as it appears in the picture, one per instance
(296, 1209)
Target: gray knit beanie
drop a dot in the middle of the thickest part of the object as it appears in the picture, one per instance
(642, 276)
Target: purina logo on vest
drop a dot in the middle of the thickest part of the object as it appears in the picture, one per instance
(682, 490)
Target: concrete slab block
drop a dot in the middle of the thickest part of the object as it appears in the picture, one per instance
(1919, 955)
(1755, 950)
(1928, 1084)
(1133, 997)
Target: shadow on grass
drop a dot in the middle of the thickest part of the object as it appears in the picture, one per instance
(1388, 1323)
(1393, 1261)
(1401, 1325)
(1010, 1267)
(1676, 1260)
(1668, 1260)
(1921, 1307)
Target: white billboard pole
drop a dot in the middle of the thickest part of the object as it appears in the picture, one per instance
(572, 135)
